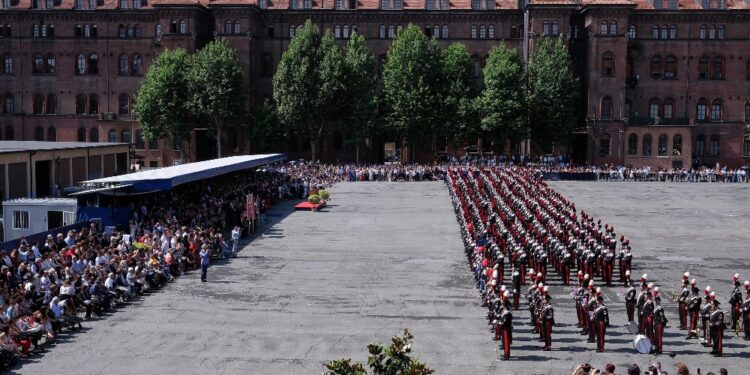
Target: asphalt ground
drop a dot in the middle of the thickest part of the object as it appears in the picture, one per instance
(316, 286)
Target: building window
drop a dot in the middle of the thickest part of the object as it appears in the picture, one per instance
(173, 27)
(381, 32)
(673, 32)
(482, 32)
(747, 111)
(716, 110)
(713, 145)
(746, 147)
(656, 66)
(137, 65)
(444, 33)
(267, 65)
(38, 104)
(706, 4)
(653, 108)
(712, 32)
(124, 65)
(81, 65)
(655, 32)
(263, 4)
(632, 32)
(608, 64)
(717, 68)
(670, 67)
(477, 63)
(8, 104)
(545, 27)
(49, 68)
(126, 136)
(632, 144)
(612, 28)
(606, 108)
(51, 134)
(391, 31)
(123, 104)
(345, 33)
(94, 135)
(700, 110)
(20, 219)
(8, 64)
(140, 143)
(473, 31)
(237, 27)
(664, 32)
(604, 28)
(227, 27)
(555, 28)
(38, 67)
(81, 134)
(514, 34)
(702, 34)
(721, 32)
(93, 64)
(398, 4)
(93, 104)
(183, 27)
(51, 105)
(9, 133)
(668, 111)
(429, 4)
(123, 4)
(673, 4)
(646, 149)
(121, 33)
(677, 145)
(153, 144)
(475, 5)
(136, 4)
(662, 149)
(292, 29)
(112, 136)
(700, 145)
(38, 133)
(703, 67)
(490, 4)
(80, 104)
(604, 148)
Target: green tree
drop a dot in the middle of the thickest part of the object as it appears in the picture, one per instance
(394, 359)
(412, 83)
(459, 112)
(361, 79)
(501, 103)
(553, 93)
(263, 131)
(309, 85)
(215, 86)
(160, 104)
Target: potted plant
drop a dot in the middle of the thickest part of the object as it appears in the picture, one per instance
(314, 198)
(324, 195)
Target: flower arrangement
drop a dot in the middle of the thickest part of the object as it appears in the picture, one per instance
(314, 198)
(324, 195)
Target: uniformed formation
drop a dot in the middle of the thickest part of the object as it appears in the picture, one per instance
(510, 215)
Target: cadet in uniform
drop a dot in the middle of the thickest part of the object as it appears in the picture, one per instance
(660, 321)
(716, 320)
(705, 313)
(682, 300)
(548, 319)
(647, 316)
(630, 297)
(694, 308)
(601, 319)
(746, 310)
(735, 301)
(506, 326)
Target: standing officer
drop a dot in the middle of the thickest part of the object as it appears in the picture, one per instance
(660, 321)
(548, 319)
(717, 328)
(705, 314)
(694, 307)
(630, 297)
(648, 316)
(735, 301)
(506, 326)
(516, 281)
(682, 300)
(746, 310)
(601, 319)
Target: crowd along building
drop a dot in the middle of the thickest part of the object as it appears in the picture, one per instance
(665, 83)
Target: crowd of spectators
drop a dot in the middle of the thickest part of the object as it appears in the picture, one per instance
(50, 285)
(654, 368)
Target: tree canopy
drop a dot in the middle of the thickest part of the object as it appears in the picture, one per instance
(458, 109)
(502, 103)
(395, 359)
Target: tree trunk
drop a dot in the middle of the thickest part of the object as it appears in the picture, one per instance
(313, 150)
(219, 126)
(357, 153)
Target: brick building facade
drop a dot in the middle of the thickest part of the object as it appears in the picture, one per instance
(675, 72)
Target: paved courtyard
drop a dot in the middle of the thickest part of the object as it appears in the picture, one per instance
(383, 256)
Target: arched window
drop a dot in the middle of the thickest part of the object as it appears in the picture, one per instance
(668, 111)
(381, 32)
(124, 64)
(49, 68)
(482, 32)
(653, 108)
(716, 110)
(93, 64)
(80, 104)
(183, 27)
(513, 31)
(702, 33)
(677, 145)
(632, 32)
(747, 69)
(93, 104)
(138, 31)
(670, 67)
(722, 31)
(112, 136)
(613, 28)
(140, 143)
(8, 105)
(673, 32)
(444, 33)
(477, 63)
(38, 67)
(703, 67)
(664, 32)
(701, 110)
(700, 145)
(51, 134)
(8, 64)
(227, 27)
(717, 68)
(646, 149)
(237, 27)
(131, 31)
(632, 144)
(38, 104)
(604, 145)
(123, 104)
(473, 31)
(292, 29)
(337, 31)
(9, 133)
(712, 32)
(545, 27)
(656, 66)
(94, 135)
(81, 65)
(35, 30)
(662, 149)
(126, 136)
(555, 28)
(51, 104)
(604, 28)
(746, 147)
(137, 65)
(655, 32)
(713, 145)
(81, 134)
(121, 33)
(173, 27)
(491, 31)
(157, 30)
(606, 108)
(747, 111)
(608, 64)
(39, 133)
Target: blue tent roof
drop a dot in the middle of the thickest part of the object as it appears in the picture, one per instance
(169, 177)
